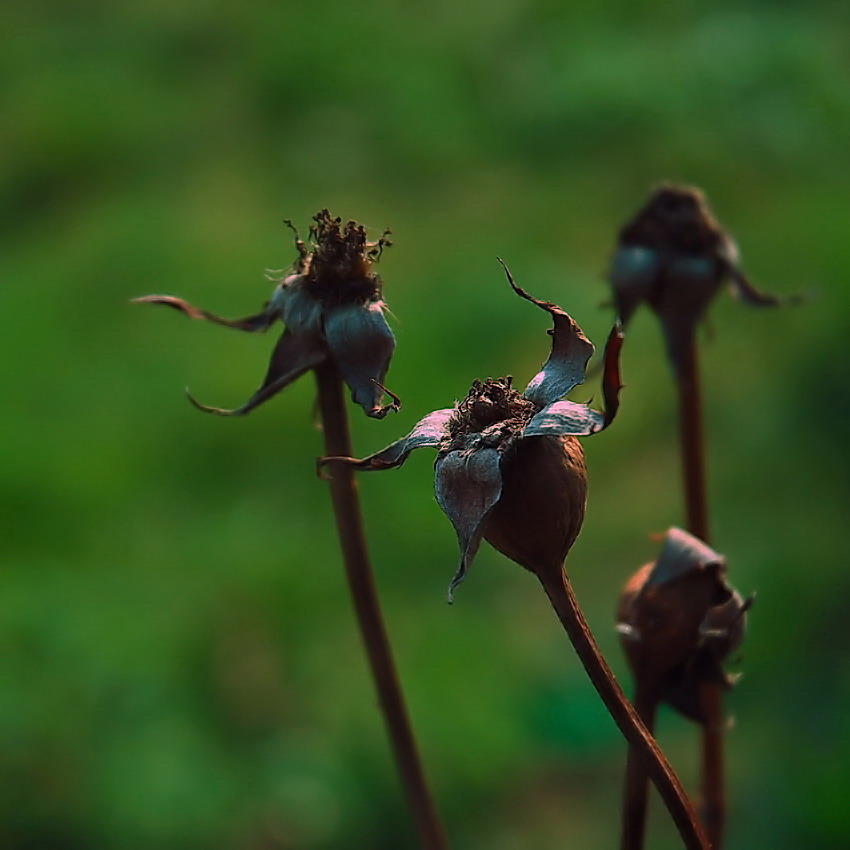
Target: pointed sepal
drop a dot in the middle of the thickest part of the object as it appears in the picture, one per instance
(467, 485)
(571, 349)
(429, 431)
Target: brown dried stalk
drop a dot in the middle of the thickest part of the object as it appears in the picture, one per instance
(674, 256)
(358, 571)
(510, 470)
(331, 304)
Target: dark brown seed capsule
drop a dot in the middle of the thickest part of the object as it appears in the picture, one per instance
(679, 620)
(541, 509)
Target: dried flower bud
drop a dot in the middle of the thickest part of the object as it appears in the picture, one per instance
(674, 255)
(679, 620)
(332, 308)
(510, 469)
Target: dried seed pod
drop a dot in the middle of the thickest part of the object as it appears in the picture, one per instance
(510, 469)
(674, 255)
(332, 307)
(541, 509)
(679, 620)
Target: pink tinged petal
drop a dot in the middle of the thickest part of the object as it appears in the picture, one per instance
(634, 272)
(612, 381)
(361, 344)
(251, 324)
(682, 553)
(428, 432)
(562, 418)
(293, 355)
(567, 363)
(467, 485)
(565, 417)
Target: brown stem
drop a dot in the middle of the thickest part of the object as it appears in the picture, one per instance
(636, 794)
(713, 804)
(693, 467)
(361, 583)
(691, 439)
(560, 592)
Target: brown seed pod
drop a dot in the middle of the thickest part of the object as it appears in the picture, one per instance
(541, 509)
(675, 256)
(679, 621)
(509, 468)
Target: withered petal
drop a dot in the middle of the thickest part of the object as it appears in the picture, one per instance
(251, 324)
(293, 355)
(428, 431)
(467, 485)
(568, 417)
(681, 554)
(362, 344)
(746, 293)
(739, 285)
(612, 381)
(725, 624)
(567, 363)
(565, 417)
(634, 272)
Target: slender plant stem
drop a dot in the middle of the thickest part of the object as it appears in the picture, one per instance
(712, 783)
(692, 442)
(713, 806)
(561, 595)
(636, 794)
(346, 503)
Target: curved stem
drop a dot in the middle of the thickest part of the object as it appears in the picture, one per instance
(361, 583)
(636, 793)
(560, 592)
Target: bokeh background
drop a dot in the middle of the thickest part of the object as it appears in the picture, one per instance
(179, 666)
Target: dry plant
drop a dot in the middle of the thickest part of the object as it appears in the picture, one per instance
(331, 304)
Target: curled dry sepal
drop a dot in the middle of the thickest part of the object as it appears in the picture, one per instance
(674, 255)
(332, 308)
(679, 620)
(509, 468)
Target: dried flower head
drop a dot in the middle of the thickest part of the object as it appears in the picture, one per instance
(674, 255)
(679, 621)
(509, 468)
(332, 307)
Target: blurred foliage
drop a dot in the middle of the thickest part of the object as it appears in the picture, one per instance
(179, 665)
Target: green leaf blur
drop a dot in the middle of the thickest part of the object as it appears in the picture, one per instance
(180, 667)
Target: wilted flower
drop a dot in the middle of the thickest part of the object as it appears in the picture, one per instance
(679, 620)
(509, 468)
(674, 255)
(332, 308)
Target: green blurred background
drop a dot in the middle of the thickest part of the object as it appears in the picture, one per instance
(179, 667)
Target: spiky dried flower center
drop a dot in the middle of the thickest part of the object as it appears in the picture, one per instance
(677, 218)
(338, 264)
(488, 403)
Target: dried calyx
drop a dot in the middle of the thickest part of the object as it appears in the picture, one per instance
(332, 308)
(674, 255)
(679, 621)
(509, 467)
